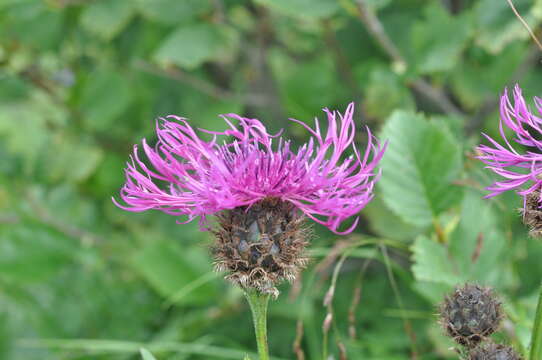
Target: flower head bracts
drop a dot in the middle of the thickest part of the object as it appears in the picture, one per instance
(193, 177)
(516, 168)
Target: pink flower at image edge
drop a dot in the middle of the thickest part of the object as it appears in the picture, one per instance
(516, 168)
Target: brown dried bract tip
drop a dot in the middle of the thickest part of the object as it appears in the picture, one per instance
(492, 351)
(261, 245)
(470, 314)
(532, 214)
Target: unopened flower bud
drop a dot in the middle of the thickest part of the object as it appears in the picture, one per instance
(470, 314)
(261, 245)
(492, 351)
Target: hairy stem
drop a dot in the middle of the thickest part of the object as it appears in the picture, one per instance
(536, 339)
(258, 305)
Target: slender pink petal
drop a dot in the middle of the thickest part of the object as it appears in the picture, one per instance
(517, 168)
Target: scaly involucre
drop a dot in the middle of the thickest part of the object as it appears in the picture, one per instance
(193, 177)
(520, 169)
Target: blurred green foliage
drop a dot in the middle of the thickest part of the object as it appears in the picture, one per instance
(82, 80)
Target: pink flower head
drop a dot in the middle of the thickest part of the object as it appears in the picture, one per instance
(517, 168)
(186, 175)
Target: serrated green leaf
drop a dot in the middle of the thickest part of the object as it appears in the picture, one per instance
(190, 45)
(478, 243)
(432, 262)
(420, 164)
(107, 18)
(386, 224)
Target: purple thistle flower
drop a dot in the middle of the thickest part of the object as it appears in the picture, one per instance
(517, 168)
(193, 177)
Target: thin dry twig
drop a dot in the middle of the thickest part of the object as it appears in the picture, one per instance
(356, 297)
(298, 350)
(342, 351)
(533, 36)
(376, 29)
(328, 303)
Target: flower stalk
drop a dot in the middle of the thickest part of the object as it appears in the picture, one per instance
(536, 339)
(258, 305)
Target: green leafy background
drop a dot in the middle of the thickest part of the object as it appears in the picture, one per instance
(81, 81)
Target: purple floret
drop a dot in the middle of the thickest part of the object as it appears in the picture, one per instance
(186, 175)
(520, 169)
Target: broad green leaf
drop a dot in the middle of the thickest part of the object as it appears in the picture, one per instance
(176, 11)
(169, 268)
(478, 243)
(105, 96)
(384, 93)
(146, 355)
(311, 9)
(107, 18)
(433, 291)
(191, 45)
(420, 164)
(386, 224)
(474, 252)
(432, 262)
(439, 40)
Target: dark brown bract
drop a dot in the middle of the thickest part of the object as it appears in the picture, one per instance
(261, 245)
(470, 314)
(532, 214)
(492, 351)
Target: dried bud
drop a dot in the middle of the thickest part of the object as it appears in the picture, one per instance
(470, 314)
(261, 245)
(492, 351)
(532, 214)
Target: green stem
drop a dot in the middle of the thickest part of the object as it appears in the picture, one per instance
(258, 305)
(536, 339)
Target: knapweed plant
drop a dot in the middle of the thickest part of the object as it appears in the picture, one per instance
(470, 315)
(259, 189)
(521, 170)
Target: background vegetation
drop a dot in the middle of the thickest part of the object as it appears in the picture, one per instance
(81, 81)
